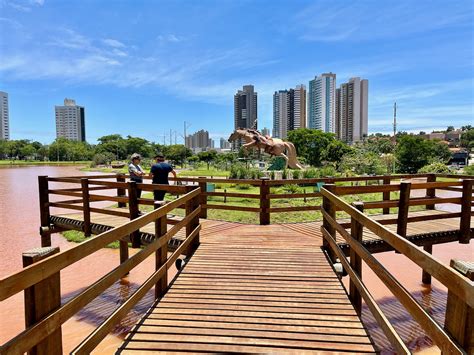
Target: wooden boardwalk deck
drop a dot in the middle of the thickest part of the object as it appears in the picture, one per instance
(222, 302)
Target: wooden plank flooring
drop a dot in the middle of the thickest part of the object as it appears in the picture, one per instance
(253, 289)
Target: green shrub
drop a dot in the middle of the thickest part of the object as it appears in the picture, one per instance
(254, 174)
(469, 170)
(284, 174)
(296, 174)
(243, 187)
(291, 189)
(437, 168)
(327, 170)
(310, 173)
(272, 174)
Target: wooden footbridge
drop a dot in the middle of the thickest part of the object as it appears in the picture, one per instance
(248, 288)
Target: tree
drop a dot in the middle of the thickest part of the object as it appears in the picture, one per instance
(28, 151)
(178, 153)
(311, 144)
(467, 138)
(362, 162)
(450, 128)
(207, 156)
(335, 151)
(414, 152)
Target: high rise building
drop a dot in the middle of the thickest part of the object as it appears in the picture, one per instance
(224, 144)
(322, 102)
(4, 117)
(265, 131)
(352, 110)
(199, 141)
(289, 111)
(245, 110)
(70, 121)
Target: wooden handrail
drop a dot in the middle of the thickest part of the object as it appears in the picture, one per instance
(101, 331)
(31, 275)
(28, 338)
(456, 283)
(374, 308)
(432, 328)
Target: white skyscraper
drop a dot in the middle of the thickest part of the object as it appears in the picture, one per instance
(70, 121)
(352, 110)
(4, 117)
(289, 111)
(322, 102)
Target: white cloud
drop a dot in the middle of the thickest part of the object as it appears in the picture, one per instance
(113, 43)
(170, 38)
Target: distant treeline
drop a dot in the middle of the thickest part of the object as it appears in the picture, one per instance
(377, 154)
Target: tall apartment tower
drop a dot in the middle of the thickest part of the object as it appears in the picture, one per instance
(289, 111)
(4, 117)
(265, 131)
(322, 102)
(70, 121)
(352, 110)
(199, 140)
(245, 110)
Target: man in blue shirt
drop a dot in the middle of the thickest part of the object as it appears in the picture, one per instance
(159, 172)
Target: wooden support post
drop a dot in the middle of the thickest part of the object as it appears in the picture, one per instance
(134, 211)
(459, 320)
(264, 202)
(161, 255)
(42, 299)
(355, 260)
(202, 196)
(386, 194)
(403, 207)
(190, 206)
(86, 207)
(120, 191)
(329, 208)
(426, 277)
(123, 243)
(225, 196)
(466, 206)
(44, 210)
(431, 192)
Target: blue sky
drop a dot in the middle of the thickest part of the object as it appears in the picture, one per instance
(142, 68)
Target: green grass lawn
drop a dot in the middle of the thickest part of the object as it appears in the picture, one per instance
(78, 237)
(203, 172)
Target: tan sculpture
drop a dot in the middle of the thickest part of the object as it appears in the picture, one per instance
(272, 146)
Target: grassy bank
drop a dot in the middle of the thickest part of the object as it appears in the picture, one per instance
(78, 237)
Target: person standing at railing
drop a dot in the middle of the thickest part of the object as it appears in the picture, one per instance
(159, 173)
(136, 172)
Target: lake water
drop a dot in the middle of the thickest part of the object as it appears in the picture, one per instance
(19, 222)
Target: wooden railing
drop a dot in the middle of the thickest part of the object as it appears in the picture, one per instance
(458, 285)
(41, 283)
(85, 190)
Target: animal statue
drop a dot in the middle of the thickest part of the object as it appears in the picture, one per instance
(272, 146)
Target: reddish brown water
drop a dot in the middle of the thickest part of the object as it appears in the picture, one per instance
(19, 221)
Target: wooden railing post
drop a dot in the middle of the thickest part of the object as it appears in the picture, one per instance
(264, 202)
(386, 194)
(121, 191)
(459, 320)
(431, 192)
(355, 259)
(86, 207)
(134, 211)
(44, 211)
(403, 207)
(203, 197)
(330, 209)
(161, 255)
(190, 206)
(41, 299)
(466, 206)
